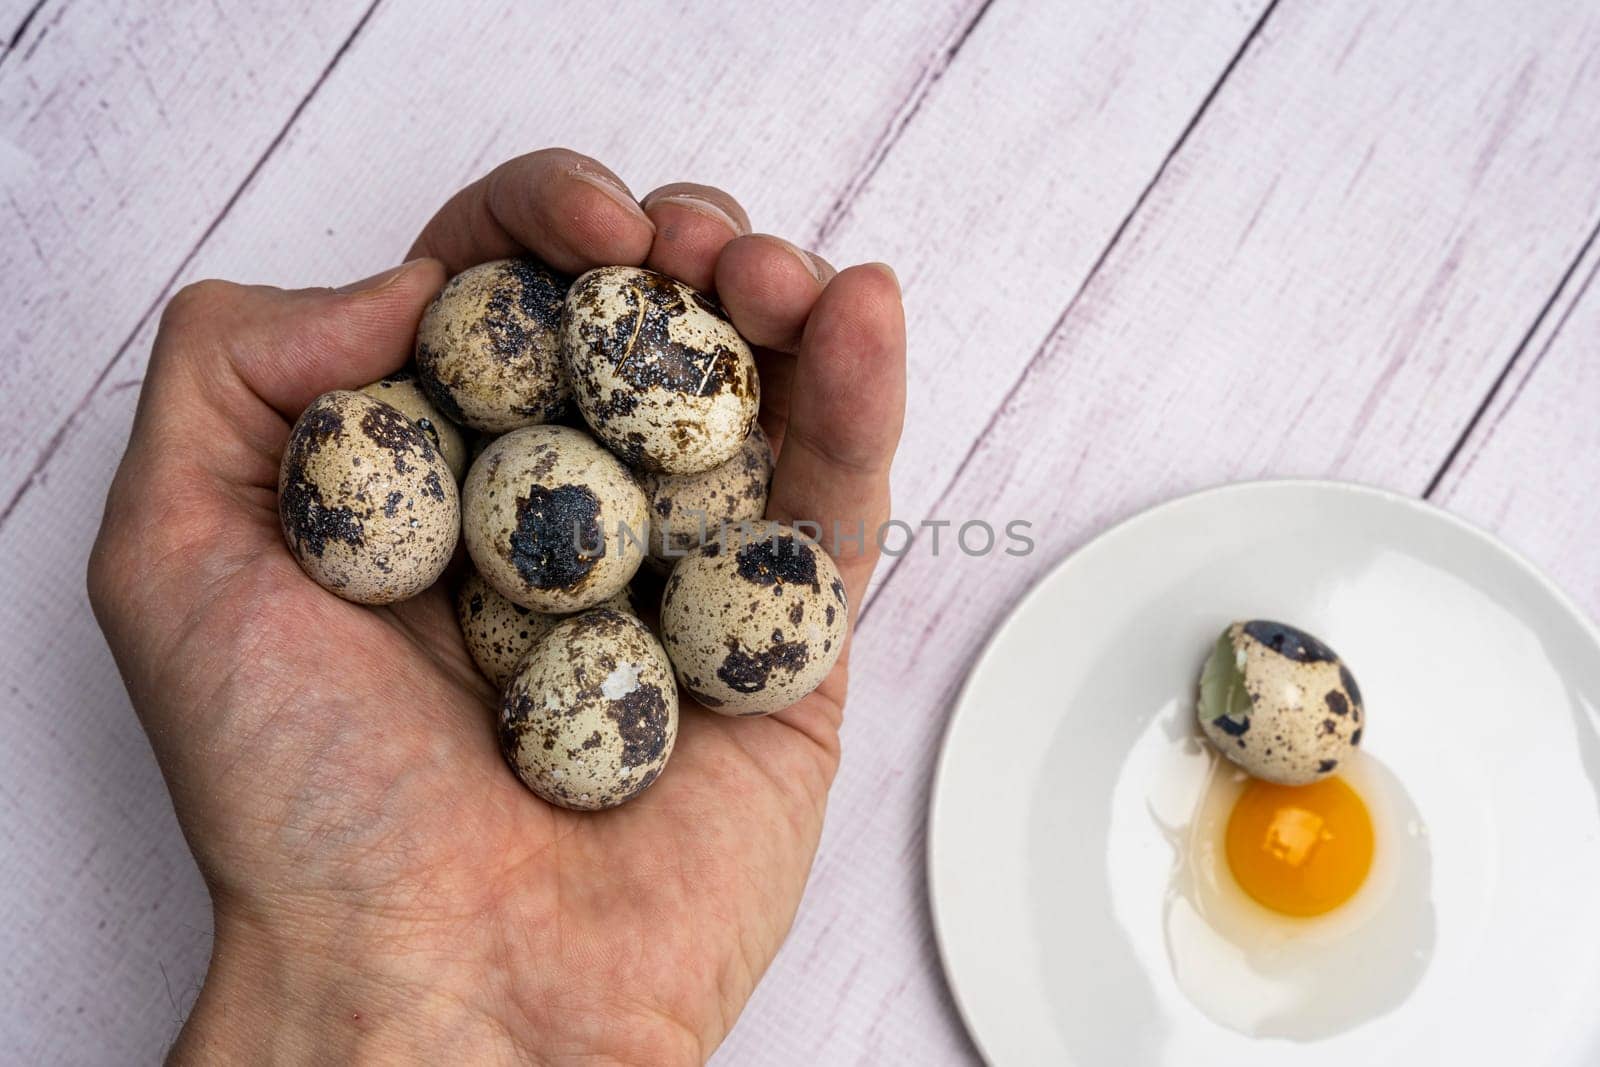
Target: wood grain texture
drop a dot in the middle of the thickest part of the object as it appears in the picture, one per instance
(1327, 280)
(1531, 469)
(1002, 194)
(124, 134)
(1357, 180)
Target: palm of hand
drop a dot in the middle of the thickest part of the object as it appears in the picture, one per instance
(389, 814)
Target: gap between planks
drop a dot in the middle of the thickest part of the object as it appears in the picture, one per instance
(899, 120)
(53, 445)
(1523, 345)
(21, 31)
(1088, 278)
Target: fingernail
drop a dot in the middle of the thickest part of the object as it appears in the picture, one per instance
(615, 190)
(701, 206)
(379, 280)
(884, 268)
(811, 263)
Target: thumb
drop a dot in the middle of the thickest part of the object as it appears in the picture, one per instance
(233, 363)
(290, 346)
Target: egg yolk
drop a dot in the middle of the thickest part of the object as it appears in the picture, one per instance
(1299, 850)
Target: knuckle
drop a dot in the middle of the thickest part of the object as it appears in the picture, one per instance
(104, 577)
(198, 304)
(95, 579)
(552, 154)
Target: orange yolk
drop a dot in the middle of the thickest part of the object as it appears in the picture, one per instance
(1299, 850)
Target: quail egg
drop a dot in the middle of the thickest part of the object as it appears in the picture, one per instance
(660, 374)
(552, 520)
(1279, 703)
(402, 392)
(367, 503)
(499, 633)
(488, 346)
(590, 717)
(688, 509)
(754, 620)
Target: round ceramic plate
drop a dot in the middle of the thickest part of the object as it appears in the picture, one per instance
(1068, 812)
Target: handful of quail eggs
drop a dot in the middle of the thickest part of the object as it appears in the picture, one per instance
(663, 464)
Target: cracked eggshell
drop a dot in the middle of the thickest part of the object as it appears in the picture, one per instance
(367, 503)
(403, 392)
(499, 633)
(590, 717)
(1279, 703)
(552, 520)
(658, 371)
(754, 620)
(687, 509)
(488, 347)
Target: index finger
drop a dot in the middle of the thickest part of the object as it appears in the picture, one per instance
(564, 207)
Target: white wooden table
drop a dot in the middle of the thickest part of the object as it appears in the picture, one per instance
(1146, 247)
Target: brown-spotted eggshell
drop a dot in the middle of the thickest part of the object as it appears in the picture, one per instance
(1305, 714)
(499, 633)
(488, 347)
(591, 715)
(754, 620)
(689, 509)
(403, 392)
(367, 503)
(658, 371)
(552, 520)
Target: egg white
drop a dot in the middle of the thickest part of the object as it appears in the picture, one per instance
(1265, 974)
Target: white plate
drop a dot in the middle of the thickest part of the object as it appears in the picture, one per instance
(1048, 869)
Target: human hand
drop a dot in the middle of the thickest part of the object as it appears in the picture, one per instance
(383, 886)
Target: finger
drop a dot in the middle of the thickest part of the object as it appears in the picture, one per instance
(693, 223)
(768, 287)
(846, 405)
(287, 347)
(565, 208)
(232, 363)
(777, 380)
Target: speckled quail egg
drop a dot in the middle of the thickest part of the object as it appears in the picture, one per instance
(403, 392)
(367, 503)
(499, 633)
(658, 371)
(488, 347)
(590, 717)
(688, 509)
(754, 620)
(1279, 703)
(552, 520)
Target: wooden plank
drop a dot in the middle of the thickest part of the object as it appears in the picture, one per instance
(1005, 190)
(1387, 184)
(1330, 276)
(1531, 469)
(123, 135)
